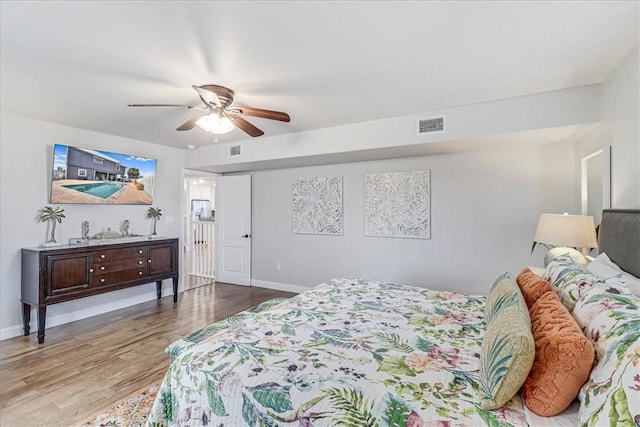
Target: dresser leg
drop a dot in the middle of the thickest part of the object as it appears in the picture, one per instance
(26, 318)
(159, 289)
(175, 289)
(42, 315)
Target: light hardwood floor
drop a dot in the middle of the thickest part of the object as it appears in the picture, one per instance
(87, 365)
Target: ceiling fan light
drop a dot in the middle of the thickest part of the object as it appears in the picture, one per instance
(215, 124)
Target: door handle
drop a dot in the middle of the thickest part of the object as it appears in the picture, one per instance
(246, 236)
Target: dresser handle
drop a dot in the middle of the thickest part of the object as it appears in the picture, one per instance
(139, 262)
(91, 270)
(103, 280)
(103, 256)
(139, 273)
(103, 268)
(140, 251)
(148, 260)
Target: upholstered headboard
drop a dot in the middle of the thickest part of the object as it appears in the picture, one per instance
(619, 238)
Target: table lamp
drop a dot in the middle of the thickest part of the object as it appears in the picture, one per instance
(565, 233)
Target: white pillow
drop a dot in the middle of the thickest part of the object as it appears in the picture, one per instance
(603, 267)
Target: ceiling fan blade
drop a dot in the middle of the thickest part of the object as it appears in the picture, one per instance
(207, 96)
(265, 114)
(245, 126)
(189, 124)
(161, 105)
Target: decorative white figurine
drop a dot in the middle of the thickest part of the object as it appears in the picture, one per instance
(85, 230)
(124, 227)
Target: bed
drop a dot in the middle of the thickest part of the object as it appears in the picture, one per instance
(357, 352)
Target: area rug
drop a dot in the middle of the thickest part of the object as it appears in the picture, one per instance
(132, 411)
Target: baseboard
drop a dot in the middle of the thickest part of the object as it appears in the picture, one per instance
(61, 319)
(278, 286)
(10, 332)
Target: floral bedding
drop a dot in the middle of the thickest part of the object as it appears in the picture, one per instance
(612, 323)
(194, 338)
(609, 315)
(349, 352)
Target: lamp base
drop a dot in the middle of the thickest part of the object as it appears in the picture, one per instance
(563, 250)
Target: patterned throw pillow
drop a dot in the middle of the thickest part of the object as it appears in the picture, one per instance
(532, 286)
(507, 349)
(612, 393)
(593, 302)
(504, 293)
(603, 267)
(563, 361)
(570, 281)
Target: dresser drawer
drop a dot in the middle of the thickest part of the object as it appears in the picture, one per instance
(109, 279)
(103, 267)
(116, 254)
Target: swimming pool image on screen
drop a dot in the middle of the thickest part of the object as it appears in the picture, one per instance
(91, 176)
(103, 190)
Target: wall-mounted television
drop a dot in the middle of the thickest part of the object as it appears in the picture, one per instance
(83, 175)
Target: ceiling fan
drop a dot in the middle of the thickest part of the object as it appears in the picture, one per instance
(218, 116)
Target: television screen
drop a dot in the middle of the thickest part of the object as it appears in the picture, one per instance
(82, 175)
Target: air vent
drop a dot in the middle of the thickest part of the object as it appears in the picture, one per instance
(430, 125)
(235, 150)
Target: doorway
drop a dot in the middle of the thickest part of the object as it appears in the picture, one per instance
(199, 242)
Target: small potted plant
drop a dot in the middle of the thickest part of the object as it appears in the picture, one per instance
(54, 215)
(154, 214)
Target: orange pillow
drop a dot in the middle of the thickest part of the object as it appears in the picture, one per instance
(532, 286)
(564, 358)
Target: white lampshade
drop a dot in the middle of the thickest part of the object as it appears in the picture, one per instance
(214, 123)
(576, 231)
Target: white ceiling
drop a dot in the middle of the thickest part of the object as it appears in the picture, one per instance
(325, 63)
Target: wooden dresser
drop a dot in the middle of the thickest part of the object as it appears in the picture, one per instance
(63, 273)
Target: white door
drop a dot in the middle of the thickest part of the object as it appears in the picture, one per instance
(233, 219)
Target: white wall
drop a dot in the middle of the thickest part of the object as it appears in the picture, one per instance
(26, 161)
(484, 211)
(620, 116)
(548, 116)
